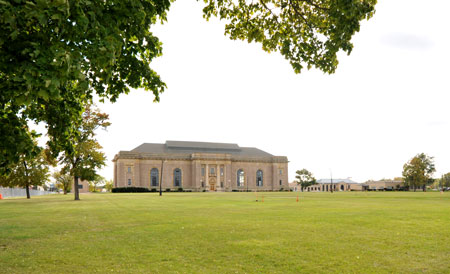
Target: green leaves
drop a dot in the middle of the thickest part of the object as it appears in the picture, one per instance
(306, 32)
(59, 53)
(86, 156)
(304, 178)
(418, 171)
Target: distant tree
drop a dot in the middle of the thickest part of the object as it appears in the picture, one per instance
(29, 171)
(444, 181)
(418, 171)
(304, 178)
(99, 180)
(109, 185)
(86, 156)
(63, 181)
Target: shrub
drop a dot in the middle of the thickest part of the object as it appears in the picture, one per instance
(180, 189)
(153, 190)
(129, 189)
(167, 189)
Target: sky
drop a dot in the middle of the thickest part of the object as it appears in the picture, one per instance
(387, 101)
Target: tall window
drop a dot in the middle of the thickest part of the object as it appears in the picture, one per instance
(212, 171)
(240, 177)
(129, 182)
(177, 177)
(129, 169)
(281, 172)
(281, 182)
(221, 171)
(203, 170)
(154, 177)
(259, 178)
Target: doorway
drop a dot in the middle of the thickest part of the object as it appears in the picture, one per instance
(212, 184)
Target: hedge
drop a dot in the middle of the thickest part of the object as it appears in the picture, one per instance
(129, 189)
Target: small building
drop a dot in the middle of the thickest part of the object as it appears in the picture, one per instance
(83, 186)
(294, 186)
(334, 185)
(383, 185)
(200, 166)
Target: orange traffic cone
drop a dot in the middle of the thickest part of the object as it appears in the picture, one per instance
(263, 198)
(297, 198)
(1, 197)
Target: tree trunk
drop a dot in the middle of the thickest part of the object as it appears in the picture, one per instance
(65, 190)
(27, 184)
(424, 188)
(75, 186)
(27, 187)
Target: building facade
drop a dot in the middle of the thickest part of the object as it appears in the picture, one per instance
(383, 185)
(200, 166)
(83, 186)
(330, 185)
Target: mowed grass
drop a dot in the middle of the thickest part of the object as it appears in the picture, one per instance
(391, 232)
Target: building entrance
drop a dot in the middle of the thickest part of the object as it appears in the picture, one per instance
(212, 184)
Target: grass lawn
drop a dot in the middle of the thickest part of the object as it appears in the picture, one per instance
(376, 232)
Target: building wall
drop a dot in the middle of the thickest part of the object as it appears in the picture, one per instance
(327, 187)
(382, 185)
(83, 186)
(138, 172)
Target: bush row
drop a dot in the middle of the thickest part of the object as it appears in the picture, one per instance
(129, 189)
(140, 189)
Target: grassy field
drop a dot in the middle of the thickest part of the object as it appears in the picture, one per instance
(227, 233)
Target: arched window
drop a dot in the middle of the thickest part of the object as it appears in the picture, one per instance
(259, 178)
(177, 177)
(154, 177)
(240, 177)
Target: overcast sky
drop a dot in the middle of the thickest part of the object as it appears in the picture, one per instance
(387, 101)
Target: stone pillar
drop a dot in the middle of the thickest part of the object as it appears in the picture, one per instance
(206, 176)
(228, 176)
(194, 174)
(137, 173)
(275, 183)
(115, 174)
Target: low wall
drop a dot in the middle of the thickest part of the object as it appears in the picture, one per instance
(21, 192)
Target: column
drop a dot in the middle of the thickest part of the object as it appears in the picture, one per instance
(206, 176)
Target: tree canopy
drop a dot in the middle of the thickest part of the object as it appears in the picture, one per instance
(444, 181)
(56, 55)
(418, 171)
(304, 178)
(306, 32)
(29, 171)
(63, 181)
(83, 161)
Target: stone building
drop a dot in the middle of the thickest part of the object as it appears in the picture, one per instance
(383, 185)
(83, 186)
(335, 185)
(199, 166)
